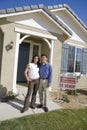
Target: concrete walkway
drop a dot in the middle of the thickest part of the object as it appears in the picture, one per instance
(12, 108)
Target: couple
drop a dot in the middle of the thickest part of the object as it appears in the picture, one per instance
(39, 76)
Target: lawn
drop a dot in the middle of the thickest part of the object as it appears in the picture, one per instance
(63, 119)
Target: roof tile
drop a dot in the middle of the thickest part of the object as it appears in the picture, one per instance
(41, 6)
(2, 11)
(50, 7)
(10, 10)
(55, 6)
(26, 8)
(19, 9)
(34, 6)
(60, 6)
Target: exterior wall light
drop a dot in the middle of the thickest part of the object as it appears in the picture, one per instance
(9, 46)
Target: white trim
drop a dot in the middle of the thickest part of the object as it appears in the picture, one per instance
(31, 49)
(70, 13)
(20, 13)
(16, 63)
(59, 9)
(57, 23)
(76, 45)
(38, 34)
(51, 58)
(46, 40)
(33, 11)
(76, 41)
(75, 61)
(76, 73)
(51, 49)
(77, 20)
(51, 53)
(20, 41)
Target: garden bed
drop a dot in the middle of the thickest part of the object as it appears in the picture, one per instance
(66, 100)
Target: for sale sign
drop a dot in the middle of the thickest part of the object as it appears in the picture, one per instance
(68, 82)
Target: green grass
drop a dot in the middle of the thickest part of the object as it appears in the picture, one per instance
(64, 119)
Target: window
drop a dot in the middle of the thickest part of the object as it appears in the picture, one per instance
(35, 50)
(71, 56)
(78, 61)
(74, 59)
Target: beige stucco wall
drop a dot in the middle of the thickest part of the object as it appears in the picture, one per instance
(82, 82)
(56, 64)
(7, 55)
(45, 49)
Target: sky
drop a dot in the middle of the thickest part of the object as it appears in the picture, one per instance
(78, 6)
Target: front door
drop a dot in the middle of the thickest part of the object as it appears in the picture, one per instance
(23, 60)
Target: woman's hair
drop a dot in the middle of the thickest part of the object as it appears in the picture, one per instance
(38, 59)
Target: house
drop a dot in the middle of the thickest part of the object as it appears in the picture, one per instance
(54, 30)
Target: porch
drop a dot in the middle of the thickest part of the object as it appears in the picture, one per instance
(28, 44)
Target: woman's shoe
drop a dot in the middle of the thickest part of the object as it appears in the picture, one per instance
(24, 109)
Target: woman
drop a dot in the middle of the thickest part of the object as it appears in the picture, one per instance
(32, 76)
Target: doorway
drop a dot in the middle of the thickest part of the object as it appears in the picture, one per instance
(23, 60)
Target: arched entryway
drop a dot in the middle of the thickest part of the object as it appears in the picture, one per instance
(48, 40)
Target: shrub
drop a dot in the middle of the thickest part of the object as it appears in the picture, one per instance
(72, 92)
(11, 95)
(65, 98)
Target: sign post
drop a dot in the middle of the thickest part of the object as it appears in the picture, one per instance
(67, 82)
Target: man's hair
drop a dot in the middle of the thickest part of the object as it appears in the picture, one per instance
(43, 55)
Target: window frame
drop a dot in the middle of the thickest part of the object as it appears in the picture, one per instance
(31, 49)
(65, 71)
(74, 65)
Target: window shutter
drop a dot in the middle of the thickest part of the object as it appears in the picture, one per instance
(84, 61)
(65, 49)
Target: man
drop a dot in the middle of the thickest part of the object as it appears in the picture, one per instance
(45, 81)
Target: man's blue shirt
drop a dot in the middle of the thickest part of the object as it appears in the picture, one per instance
(46, 71)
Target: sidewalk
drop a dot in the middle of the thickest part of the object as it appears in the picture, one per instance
(12, 108)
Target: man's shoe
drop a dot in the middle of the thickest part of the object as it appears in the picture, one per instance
(40, 106)
(23, 110)
(33, 107)
(45, 109)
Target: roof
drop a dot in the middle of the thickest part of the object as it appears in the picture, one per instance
(70, 10)
(48, 11)
(36, 7)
